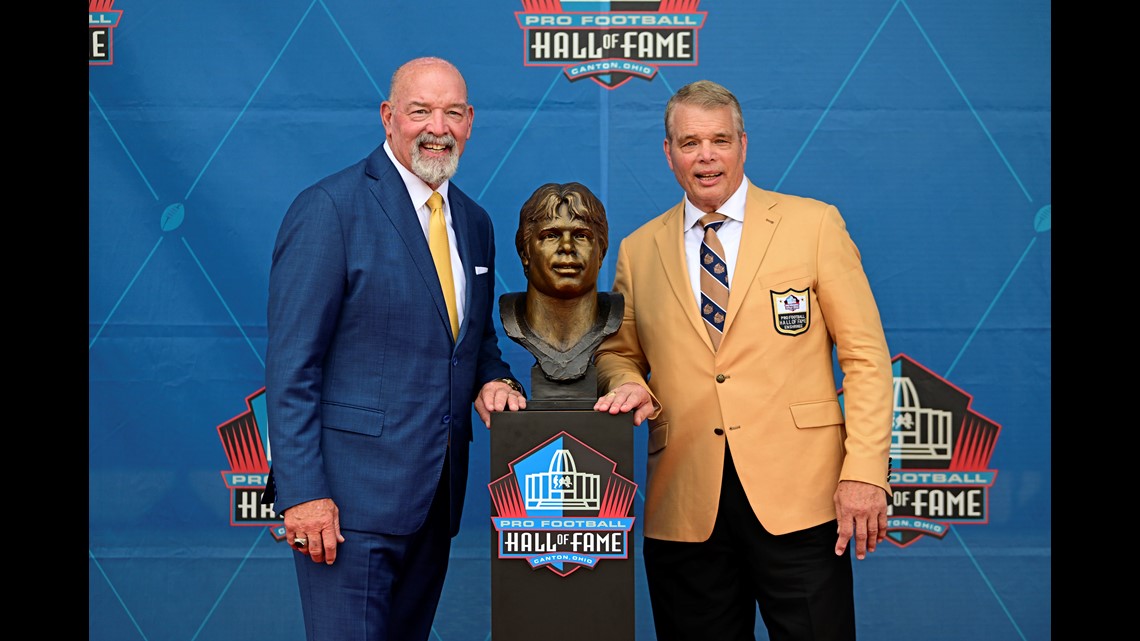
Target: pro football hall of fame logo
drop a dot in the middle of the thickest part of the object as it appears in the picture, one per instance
(245, 439)
(941, 452)
(562, 506)
(610, 42)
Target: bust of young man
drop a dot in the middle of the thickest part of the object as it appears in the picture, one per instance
(561, 318)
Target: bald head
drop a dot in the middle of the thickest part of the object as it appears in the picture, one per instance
(414, 67)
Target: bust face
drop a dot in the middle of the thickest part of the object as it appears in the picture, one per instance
(563, 256)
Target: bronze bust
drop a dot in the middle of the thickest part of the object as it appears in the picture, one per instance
(562, 317)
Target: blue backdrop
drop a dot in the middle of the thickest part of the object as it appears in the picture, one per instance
(927, 123)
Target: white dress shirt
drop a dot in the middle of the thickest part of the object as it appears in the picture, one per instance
(419, 193)
(729, 235)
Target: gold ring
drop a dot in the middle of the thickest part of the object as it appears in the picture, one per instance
(612, 394)
(300, 542)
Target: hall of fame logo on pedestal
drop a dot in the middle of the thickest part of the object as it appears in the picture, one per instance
(562, 506)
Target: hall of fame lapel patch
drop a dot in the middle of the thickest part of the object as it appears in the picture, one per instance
(791, 311)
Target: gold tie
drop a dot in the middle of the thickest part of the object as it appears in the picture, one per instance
(441, 254)
(714, 278)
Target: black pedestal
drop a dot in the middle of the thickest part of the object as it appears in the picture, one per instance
(562, 495)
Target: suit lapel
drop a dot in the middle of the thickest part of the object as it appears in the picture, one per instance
(394, 202)
(670, 239)
(760, 222)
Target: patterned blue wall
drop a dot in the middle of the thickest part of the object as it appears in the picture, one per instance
(927, 123)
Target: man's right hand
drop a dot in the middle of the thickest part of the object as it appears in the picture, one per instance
(626, 397)
(317, 523)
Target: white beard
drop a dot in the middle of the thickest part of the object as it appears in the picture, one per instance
(431, 170)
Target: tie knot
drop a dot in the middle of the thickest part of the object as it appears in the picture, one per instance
(715, 219)
(435, 201)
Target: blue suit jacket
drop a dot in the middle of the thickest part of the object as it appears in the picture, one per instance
(365, 386)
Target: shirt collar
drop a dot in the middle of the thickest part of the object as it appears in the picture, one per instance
(418, 190)
(733, 207)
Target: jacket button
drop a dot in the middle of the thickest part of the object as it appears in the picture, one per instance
(720, 378)
(718, 431)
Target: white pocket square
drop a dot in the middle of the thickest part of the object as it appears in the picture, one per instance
(480, 270)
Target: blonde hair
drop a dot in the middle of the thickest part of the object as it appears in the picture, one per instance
(705, 94)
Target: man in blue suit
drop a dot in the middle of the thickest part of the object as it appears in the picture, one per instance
(369, 379)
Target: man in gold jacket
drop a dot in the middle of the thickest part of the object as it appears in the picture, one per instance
(758, 477)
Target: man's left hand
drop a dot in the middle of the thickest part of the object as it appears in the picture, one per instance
(861, 509)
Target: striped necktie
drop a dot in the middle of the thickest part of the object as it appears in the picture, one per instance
(714, 278)
(441, 254)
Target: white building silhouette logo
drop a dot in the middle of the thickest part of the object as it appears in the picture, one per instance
(920, 433)
(562, 486)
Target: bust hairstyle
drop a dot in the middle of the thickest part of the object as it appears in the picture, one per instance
(544, 204)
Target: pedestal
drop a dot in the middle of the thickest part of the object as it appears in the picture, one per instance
(562, 495)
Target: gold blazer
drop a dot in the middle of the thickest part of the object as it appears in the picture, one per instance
(798, 295)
